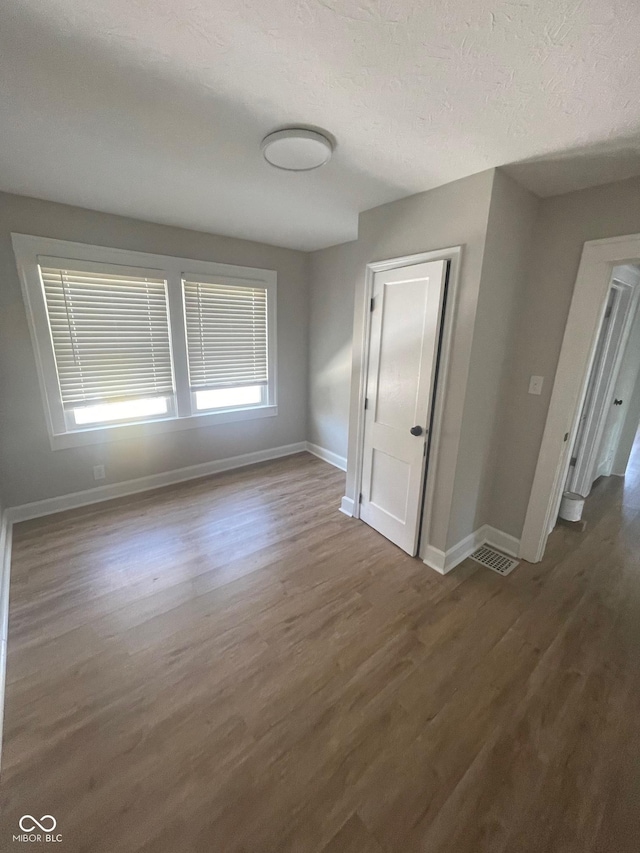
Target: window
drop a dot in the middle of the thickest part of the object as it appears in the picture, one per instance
(128, 343)
(110, 336)
(226, 343)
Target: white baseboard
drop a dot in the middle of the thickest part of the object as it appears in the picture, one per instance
(346, 506)
(502, 541)
(328, 456)
(5, 573)
(144, 484)
(445, 561)
(435, 559)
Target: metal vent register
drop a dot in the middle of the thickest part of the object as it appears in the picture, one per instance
(494, 560)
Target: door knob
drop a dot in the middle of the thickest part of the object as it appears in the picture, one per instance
(416, 430)
(617, 402)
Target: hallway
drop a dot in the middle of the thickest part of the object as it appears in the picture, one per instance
(613, 489)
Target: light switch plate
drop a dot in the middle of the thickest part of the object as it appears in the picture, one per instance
(535, 384)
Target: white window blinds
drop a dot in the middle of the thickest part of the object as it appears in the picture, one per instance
(226, 334)
(110, 335)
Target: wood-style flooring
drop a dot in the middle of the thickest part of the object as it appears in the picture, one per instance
(233, 666)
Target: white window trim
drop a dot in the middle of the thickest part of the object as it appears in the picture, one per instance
(28, 249)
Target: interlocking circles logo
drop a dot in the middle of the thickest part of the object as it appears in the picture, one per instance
(38, 829)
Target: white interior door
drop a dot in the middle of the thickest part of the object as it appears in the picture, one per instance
(610, 437)
(403, 349)
(586, 461)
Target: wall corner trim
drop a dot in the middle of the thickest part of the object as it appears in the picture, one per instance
(444, 561)
(144, 484)
(346, 506)
(436, 559)
(327, 456)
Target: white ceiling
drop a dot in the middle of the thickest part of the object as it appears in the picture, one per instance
(156, 108)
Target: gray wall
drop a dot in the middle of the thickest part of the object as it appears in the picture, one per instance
(563, 225)
(506, 258)
(29, 469)
(447, 216)
(333, 274)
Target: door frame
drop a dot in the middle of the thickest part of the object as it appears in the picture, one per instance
(453, 255)
(586, 313)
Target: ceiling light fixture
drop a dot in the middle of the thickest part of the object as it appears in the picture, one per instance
(296, 149)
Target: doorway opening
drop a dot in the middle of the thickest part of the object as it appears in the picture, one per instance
(607, 418)
(595, 403)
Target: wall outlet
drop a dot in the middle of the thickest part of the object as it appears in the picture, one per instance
(98, 472)
(535, 384)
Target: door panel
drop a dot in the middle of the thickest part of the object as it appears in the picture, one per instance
(390, 480)
(402, 321)
(405, 325)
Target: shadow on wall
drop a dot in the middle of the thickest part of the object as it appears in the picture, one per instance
(331, 404)
(579, 168)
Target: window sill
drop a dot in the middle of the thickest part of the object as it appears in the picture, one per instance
(124, 432)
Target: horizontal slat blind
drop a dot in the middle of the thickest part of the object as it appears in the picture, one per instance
(110, 335)
(226, 335)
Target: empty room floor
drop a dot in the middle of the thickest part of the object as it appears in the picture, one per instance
(232, 665)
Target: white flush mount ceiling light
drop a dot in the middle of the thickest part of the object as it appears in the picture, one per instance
(296, 149)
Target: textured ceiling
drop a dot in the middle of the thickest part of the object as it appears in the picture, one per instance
(156, 108)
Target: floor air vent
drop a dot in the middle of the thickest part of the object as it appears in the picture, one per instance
(494, 560)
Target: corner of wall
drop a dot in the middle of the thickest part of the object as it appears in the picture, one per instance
(461, 521)
(505, 265)
(331, 308)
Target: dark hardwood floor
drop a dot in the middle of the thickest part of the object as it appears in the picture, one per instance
(232, 666)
